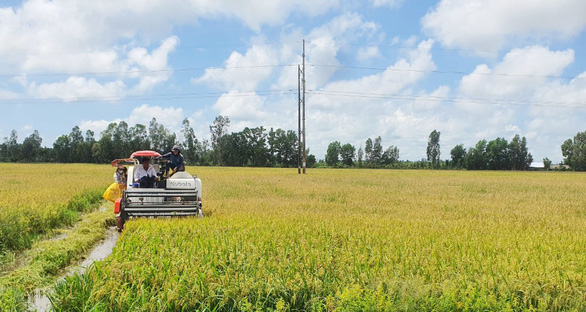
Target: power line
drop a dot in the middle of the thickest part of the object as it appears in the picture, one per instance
(170, 96)
(143, 71)
(410, 47)
(448, 99)
(186, 69)
(440, 71)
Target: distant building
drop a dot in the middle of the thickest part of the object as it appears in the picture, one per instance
(559, 167)
(536, 165)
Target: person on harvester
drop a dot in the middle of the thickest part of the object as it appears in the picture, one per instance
(176, 161)
(145, 175)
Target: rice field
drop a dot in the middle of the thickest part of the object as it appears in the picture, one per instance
(353, 240)
(39, 206)
(35, 198)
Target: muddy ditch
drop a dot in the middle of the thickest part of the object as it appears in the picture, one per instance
(40, 302)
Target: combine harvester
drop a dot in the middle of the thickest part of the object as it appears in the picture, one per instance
(177, 195)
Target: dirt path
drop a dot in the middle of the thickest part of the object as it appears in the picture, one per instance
(40, 302)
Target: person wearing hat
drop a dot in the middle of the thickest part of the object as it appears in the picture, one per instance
(144, 171)
(176, 161)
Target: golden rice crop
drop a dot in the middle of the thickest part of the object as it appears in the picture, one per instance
(39, 197)
(353, 240)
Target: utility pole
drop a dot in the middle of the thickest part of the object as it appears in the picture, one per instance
(304, 148)
(298, 119)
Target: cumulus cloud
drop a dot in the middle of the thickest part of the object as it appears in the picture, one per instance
(243, 72)
(43, 36)
(367, 53)
(79, 88)
(489, 25)
(241, 107)
(149, 69)
(387, 3)
(170, 117)
(524, 94)
(380, 104)
(521, 73)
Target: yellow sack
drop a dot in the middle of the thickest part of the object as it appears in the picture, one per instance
(113, 192)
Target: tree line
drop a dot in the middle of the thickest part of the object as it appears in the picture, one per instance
(249, 147)
(375, 156)
(497, 154)
(261, 147)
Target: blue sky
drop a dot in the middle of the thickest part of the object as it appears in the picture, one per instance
(399, 69)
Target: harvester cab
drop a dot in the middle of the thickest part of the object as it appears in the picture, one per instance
(175, 195)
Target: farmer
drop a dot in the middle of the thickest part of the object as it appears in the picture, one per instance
(121, 175)
(145, 173)
(176, 161)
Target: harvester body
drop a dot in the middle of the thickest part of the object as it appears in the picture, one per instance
(175, 196)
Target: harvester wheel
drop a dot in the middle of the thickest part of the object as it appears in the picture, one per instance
(120, 220)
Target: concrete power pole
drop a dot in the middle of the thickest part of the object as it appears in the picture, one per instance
(304, 147)
(298, 119)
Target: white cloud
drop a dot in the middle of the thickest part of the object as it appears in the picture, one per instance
(524, 94)
(521, 73)
(149, 69)
(489, 25)
(387, 3)
(156, 63)
(96, 126)
(170, 117)
(110, 36)
(241, 107)
(8, 95)
(79, 88)
(367, 53)
(243, 72)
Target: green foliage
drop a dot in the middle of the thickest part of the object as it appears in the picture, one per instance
(333, 154)
(458, 154)
(433, 148)
(347, 154)
(574, 152)
(546, 163)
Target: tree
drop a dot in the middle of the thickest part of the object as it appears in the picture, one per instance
(139, 138)
(368, 152)
(377, 152)
(218, 129)
(498, 154)
(458, 155)
(391, 155)
(62, 148)
(31, 147)
(519, 156)
(190, 143)
(333, 154)
(121, 139)
(311, 161)
(546, 163)
(12, 148)
(476, 158)
(347, 153)
(360, 154)
(283, 148)
(433, 148)
(574, 152)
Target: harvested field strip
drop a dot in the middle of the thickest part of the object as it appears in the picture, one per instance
(46, 259)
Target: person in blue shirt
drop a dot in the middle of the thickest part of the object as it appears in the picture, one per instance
(176, 161)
